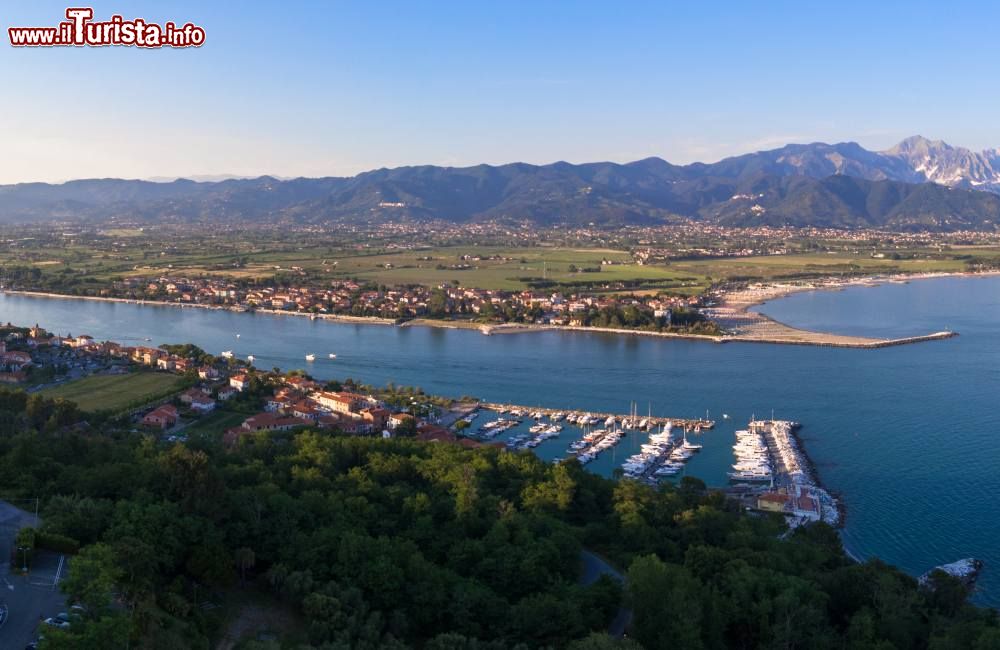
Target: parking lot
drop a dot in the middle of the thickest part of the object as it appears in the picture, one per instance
(28, 598)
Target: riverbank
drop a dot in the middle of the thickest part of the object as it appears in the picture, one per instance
(336, 318)
(487, 329)
(732, 313)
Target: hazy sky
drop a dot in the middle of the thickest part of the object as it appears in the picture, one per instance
(334, 88)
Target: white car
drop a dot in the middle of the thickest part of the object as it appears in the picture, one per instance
(55, 621)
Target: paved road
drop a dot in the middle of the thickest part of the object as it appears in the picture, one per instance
(28, 598)
(593, 568)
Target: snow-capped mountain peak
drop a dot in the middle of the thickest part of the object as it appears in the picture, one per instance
(938, 162)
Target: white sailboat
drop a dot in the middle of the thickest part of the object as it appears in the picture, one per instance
(690, 446)
(310, 357)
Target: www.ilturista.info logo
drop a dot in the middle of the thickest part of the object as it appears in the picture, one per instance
(80, 30)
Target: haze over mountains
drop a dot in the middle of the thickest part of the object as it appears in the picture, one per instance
(918, 184)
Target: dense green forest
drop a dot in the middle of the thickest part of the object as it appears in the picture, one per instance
(373, 543)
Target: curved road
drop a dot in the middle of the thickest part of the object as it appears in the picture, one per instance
(593, 568)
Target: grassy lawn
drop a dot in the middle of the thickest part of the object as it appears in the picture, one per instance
(215, 423)
(115, 392)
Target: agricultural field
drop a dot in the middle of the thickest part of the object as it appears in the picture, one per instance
(89, 263)
(500, 268)
(469, 265)
(116, 392)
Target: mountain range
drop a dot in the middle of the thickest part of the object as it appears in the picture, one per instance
(918, 184)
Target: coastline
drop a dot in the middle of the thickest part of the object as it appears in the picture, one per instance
(337, 318)
(767, 291)
(732, 311)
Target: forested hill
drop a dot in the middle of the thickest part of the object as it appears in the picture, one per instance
(370, 543)
(840, 185)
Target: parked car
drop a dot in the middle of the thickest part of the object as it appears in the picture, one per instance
(60, 620)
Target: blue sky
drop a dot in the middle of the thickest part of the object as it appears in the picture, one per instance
(334, 88)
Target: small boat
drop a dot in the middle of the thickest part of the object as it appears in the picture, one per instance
(333, 356)
(228, 354)
(725, 416)
(250, 358)
(237, 336)
(310, 357)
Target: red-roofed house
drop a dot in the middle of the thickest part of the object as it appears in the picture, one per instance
(202, 404)
(190, 394)
(342, 402)
(271, 422)
(163, 417)
(397, 419)
(239, 382)
(376, 418)
(434, 433)
(806, 505)
(305, 411)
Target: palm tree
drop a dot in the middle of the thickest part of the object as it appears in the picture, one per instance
(245, 559)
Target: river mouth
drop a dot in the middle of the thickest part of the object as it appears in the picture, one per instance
(906, 434)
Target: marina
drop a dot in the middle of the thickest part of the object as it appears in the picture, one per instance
(662, 457)
(768, 452)
(593, 417)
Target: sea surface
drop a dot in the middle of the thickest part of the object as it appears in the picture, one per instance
(908, 435)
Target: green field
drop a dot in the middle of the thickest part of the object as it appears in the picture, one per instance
(777, 266)
(116, 392)
(519, 266)
(90, 265)
(215, 423)
(87, 266)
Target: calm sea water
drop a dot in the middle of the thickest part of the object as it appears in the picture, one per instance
(910, 435)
